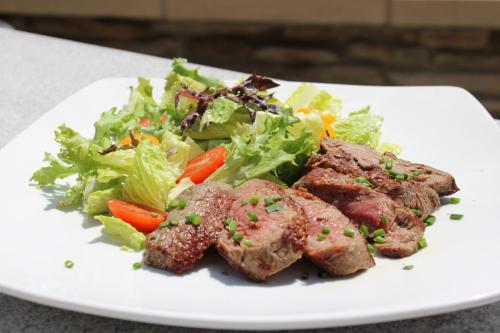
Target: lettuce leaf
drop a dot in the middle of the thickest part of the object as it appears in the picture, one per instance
(54, 171)
(220, 111)
(122, 232)
(151, 176)
(311, 122)
(360, 127)
(177, 150)
(266, 148)
(308, 95)
(117, 123)
(97, 201)
(179, 67)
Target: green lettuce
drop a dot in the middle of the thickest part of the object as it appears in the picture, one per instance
(177, 150)
(360, 127)
(311, 122)
(179, 67)
(97, 202)
(308, 95)
(268, 148)
(117, 123)
(122, 232)
(151, 176)
(220, 111)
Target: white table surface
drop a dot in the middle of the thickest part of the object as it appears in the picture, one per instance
(36, 73)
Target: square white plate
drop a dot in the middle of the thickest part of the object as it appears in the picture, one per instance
(444, 127)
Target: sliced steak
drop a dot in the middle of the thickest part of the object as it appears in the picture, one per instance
(345, 157)
(262, 239)
(330, 243)
(365, 206)
(364, 163)
(178, 247)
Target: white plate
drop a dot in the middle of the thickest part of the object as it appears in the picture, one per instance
(444, 127)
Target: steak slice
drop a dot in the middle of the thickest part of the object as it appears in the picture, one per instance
(338, 254)
(364, 162)
(364, 206)
(365, 158)
(262, 239)
(178, 248)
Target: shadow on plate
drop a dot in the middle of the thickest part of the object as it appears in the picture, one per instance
(220, 270)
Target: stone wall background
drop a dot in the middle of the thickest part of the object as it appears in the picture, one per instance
(467, 57)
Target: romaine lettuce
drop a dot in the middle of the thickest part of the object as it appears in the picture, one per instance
(359, 127)
(122, 232)
(151, 176)
(308, 95)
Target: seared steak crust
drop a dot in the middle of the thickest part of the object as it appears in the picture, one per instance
(365, 206)
(270, 241)
(178, 248)
(337, 253)
(365, 158)
(362, 161)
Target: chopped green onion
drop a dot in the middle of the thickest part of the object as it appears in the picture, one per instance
(174, 223)
(194, 219)
(384, 219)
(247, 243)
(381, 161)
(237, 238)
(371, 248)
(422, 243)
(137, 265)
(379, 233)
(326, 230)
(379, 240)
(454, 200)
(244, 202)
(268, 202)
(430, 220)
(388, 164)
(364, 230)
(173, 204)
(276, 199)
(164, 224)
(365, 182)
(408, 267)
(254, 200)
(226, 222)
(417, 173)
(274, 207)
(182, 203)
(252, 217)
(417, 212)
(69, 264)
(400, 177)
(321, 237)
(348, 232)
(456, 217)
(233, 225)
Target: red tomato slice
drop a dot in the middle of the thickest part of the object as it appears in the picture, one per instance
(145, 122)
(141, 217)
(202, 166)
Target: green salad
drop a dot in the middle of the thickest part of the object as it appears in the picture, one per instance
(144, 154)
